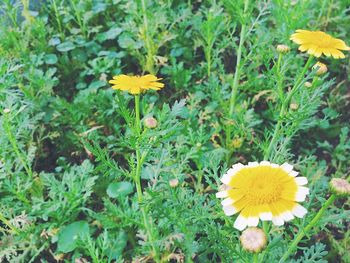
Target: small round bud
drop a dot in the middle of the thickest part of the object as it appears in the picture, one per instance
(173, 182)
(7, 110)
(321, 68)
(308, 84)
(293, 106)
(237, 143)
(340, 186)
(150, 122)
(253, 239)
(282, 48)
(103, 77)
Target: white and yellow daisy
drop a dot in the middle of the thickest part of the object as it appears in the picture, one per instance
(264, 191)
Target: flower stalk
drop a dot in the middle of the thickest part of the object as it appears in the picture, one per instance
(285, 103)
(238, 64)
(313, 222)
(137, 179)
(149, 47)
(237, 74)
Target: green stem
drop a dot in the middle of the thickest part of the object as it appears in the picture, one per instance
(238, 64)
(265, 227)
(237, 75)
(284, 106)
(279, 77)
(137, 178)
(79, 19)
(57, 15)
(137, 114)
(149, 59)
(313, 222)
(255, 258)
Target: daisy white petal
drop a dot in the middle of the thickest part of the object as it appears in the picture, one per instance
(277, 220)
(222, 194)
(230, 210)
(299, 211)
(293, 173)
(301, 180)
(287, 167)
(227, 201)
(267, 216)
(240, 223)
(253, 221)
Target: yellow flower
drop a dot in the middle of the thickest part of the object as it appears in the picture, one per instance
(136, 84)
(264, 191)
(318, 42)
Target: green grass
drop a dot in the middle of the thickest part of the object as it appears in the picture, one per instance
(80, 182)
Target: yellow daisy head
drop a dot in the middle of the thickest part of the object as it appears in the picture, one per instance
(136, 84)
(264, 191)
(317, 43)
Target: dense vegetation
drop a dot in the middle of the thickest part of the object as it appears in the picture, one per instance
(70, 151)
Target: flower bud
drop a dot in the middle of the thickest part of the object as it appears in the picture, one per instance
(282, 48)
(7, 110)
(253, 239)
(293, 106)
(150, 122)
(173, 182)
(237, 143)
(340, 186)
(308, 84)
(321, 68)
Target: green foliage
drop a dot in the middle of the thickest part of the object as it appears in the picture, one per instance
(68, 158)
(69, 236)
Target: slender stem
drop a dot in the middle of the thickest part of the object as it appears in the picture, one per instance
(265, 227)
(57, 15)
(302, 233)
(149, 59)
(255, 258)
(284, 107)
(25, 11)
(279, 77)
(137, 113)
(238, 64)
(237, 75)
(137, 178)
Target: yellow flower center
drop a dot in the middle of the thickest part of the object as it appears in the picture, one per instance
(262, 185)
(263, 191)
